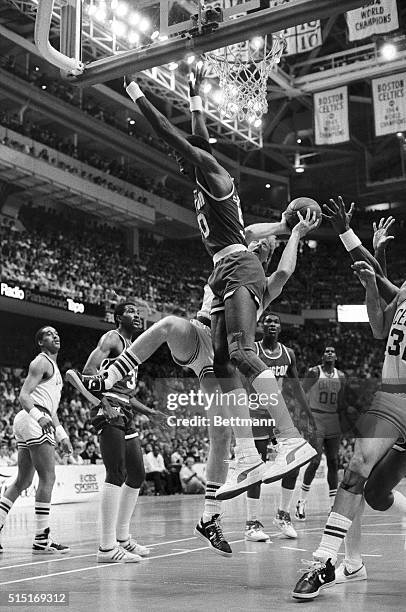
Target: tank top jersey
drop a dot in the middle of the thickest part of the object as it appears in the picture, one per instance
(220, 219)
(48, 392)
(323, 395)
(126, 386)
(278, 364)
(394, 365)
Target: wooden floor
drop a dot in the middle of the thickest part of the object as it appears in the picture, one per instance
(181, 574)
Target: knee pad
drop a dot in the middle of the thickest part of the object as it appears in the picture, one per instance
(353, 482)
(377, 498)
(243, 355)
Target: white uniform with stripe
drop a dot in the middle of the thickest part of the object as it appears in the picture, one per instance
(390, 403)
(46, 397)
(202, 355)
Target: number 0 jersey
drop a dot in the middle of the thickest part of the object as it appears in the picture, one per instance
(127, 385)
(394, 365)
(220, 219)
(323, 395)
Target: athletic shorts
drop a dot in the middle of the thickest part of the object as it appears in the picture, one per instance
(125, 415)
(390, 407)
(28, 432)
(327, 424)
(239, 269)
(201, 359)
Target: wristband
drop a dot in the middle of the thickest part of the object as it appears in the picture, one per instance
(196, 104)
(350, 240)
(134, 91)
(36, 414)
(60, 434)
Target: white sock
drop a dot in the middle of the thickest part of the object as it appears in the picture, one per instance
(211, 504)
(399, 502)
(128, 500)
(41, 516)
(252, 508)
(110, 499)
(5, 506)
(334, 533)
(245, 449)
(304, 493)
(285, 499)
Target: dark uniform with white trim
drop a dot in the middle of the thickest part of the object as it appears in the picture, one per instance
(222, 227)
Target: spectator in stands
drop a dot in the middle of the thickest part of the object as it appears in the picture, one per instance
(76, 458)
(90, 455)
(5, 455)
(191, 481)
(155, 470)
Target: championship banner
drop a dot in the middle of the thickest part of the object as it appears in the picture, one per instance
(301, 38)
(331, 116)
(376, 17)
(389, 98)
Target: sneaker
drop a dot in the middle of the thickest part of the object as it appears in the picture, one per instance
(292, 453)
(117, 555)
(43, 543)
(319, 575)
(91, 387)
(212, 533)
(241, 475)
(284, 524)
(345, 574)
(254, 532)
(300, 513)
(131, 546)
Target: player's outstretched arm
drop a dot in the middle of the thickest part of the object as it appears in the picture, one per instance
(257, 231)
(196, 104)
(287, 263)
(340, 219)
(380, 317)
(165, 130)
(381, 240)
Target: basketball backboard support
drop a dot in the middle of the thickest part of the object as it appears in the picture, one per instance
(180, 42)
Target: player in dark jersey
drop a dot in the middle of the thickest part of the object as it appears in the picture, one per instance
(282, 361)
(120, 446)
(325, 387)
(238, 283)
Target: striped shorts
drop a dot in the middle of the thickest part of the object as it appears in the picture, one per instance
(28, 432)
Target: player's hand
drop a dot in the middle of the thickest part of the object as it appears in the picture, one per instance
(306, 224)
(284, 229)
(365, 272)
(66, 447)
(46, 425)
(338, 215)
(196, 78)
(108, 411)
(128, 78)
(381, 238)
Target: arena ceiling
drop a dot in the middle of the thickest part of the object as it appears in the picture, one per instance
(354, 169)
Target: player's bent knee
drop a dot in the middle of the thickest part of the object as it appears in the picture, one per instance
(23, 483)
(376, 497)
(115, 476)
(353, 482)
(243, 355)
(360, 465)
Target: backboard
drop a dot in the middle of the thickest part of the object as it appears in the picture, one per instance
(149, 33)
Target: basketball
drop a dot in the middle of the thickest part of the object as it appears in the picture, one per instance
(300, 204)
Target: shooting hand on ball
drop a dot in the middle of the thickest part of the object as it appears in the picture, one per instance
(381, 238)
(306, 224)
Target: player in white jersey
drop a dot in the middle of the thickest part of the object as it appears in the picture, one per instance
(37, 429)
(381, 426)
(325, 386)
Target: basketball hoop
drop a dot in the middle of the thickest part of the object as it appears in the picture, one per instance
(243, 70)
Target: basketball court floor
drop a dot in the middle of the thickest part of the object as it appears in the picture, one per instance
(182, 574)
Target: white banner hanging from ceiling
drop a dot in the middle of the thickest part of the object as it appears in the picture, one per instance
(301, 38)
(331, 116)
(389, 96)
(376, 17)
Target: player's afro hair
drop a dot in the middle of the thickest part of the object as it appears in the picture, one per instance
(120, 308)
(200, 142)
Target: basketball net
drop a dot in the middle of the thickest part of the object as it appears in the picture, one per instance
(243, 70)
